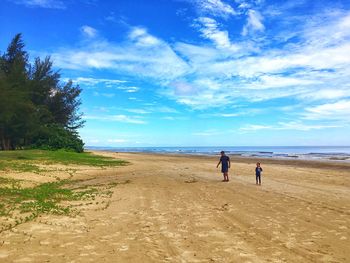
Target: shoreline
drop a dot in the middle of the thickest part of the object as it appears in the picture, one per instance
(336, 154)
(307, 163)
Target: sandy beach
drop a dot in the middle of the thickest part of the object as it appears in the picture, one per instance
(174, 208)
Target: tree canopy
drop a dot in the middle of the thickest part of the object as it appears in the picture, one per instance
(36, 108)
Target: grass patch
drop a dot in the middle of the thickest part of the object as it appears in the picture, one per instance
(27, 160)
(19, 205)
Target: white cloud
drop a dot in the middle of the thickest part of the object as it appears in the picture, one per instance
(116, 118)
(254, 22)
(162, 109)
(130, 89)
(51, 4)
(228, 115)
(328, 30)
(304, 127)
(224, 73)
(255, 127)
(326, 94)
(209, 29)
(135, 57)
(182, 88)
(152, 110)
(89, 31)
(198, 54)
(275, 81)
(214, 7)
(94, 83)
(107, 83)
(107, 95)
(293, 125)
(339, 110)
(141, 37)
(138, 111)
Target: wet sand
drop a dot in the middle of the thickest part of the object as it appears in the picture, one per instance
(170, 208)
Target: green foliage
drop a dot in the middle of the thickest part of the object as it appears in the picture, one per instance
(54, 137)
(28, 160)
(20, 204)
(24, 204)
(39, 109)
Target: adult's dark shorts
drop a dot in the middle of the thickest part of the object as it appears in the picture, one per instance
(224, 168)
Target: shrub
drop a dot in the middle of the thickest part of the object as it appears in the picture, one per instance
(54, 137)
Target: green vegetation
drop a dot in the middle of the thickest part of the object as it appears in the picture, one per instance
(19, 204)
(53, 137)
(40, 199)
(37, 109)
(29, 160)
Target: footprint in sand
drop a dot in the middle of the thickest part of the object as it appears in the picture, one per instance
(123, 248)
(191, 180)
(44, 243)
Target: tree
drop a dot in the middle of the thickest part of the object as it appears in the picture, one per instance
(35, 105)
(16, 106)
(63, 104)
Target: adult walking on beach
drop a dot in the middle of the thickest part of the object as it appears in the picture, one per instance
(258, 172)
(225, 165)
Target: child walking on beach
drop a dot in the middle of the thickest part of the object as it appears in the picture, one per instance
(258, 171)
(225, 165)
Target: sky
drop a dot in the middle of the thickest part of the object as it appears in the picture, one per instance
(197, 72)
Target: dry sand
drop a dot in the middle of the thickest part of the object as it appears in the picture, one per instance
(176, 209)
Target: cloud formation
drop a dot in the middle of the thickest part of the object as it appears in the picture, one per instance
(89, 31)
(50, 4)
(310, 64)
(209, 29)
(254, 22)
(116, 118)
(136, 56)
(293, 126)
(214, 7)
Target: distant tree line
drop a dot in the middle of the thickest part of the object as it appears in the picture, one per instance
(37, 110)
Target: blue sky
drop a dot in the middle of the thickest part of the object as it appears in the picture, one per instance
(197, 72)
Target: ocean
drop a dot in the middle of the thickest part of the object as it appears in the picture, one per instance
(333, 153)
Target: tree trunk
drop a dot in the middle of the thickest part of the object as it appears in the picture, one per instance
(2, 142)
(8, 144)
(5, 144)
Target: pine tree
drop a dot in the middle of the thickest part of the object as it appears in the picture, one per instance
(35, 108)
(16, 107)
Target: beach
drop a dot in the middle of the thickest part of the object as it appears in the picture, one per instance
(175, 208)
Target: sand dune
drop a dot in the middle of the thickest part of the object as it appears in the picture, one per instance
(176, 209)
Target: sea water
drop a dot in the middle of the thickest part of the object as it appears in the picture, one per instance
(335, 153)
